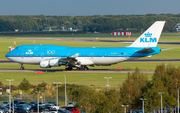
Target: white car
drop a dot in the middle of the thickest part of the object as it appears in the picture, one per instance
(1, 111)
(71, 104)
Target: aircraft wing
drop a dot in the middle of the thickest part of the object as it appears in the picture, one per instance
(146, 50)
(70, 60)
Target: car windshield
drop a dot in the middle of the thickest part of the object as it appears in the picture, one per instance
(5, 102)
(41, 107)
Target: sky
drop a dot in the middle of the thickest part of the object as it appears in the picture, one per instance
(88, 7)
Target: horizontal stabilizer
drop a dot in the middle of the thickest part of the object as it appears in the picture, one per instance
(166, 49)
(146, 50)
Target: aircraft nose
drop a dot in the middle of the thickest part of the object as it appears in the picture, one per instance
(8, 54)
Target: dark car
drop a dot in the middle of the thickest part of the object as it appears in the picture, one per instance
(68, 108)
(33, 103)
(42, 103)
(16, 102)
(53, 103)
(41, 109)
(59, 111)
(47, 106)
(21, 110)
(23, 103)
(22, 106)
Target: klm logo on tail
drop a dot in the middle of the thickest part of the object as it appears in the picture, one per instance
(148, 38)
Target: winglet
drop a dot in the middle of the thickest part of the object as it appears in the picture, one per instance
(150, 37)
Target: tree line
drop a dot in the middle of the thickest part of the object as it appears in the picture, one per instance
(166, 78)
(106, 23)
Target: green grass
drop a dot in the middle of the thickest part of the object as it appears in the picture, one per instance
(96, 79)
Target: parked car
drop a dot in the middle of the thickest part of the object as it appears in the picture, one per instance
(41, 109)
(23, 103)
(5, 109)
(74, 110)
(16, 102)
(33, 103)
(68, 108)
(1, 111)
(53, 102)
(49, 107)
(42, 103)
(22, 106)
(21, 110)
(59, 111)
(71, 104)
(5, 103)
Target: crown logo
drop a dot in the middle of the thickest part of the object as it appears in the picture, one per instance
(148, 34)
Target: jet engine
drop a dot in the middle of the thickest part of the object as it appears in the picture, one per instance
(50, 63)
(44, 64)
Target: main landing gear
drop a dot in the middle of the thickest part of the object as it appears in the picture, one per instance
(22, 67)
(69, 68)
(82, 68)
(78, 68)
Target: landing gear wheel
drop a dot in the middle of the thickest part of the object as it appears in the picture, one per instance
(22, 68)
(82, 68)
(68, 68)
(86, 68)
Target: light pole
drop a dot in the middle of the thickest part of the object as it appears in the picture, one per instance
(161, 100)
(9, 93)
(143, 99)
(65, 91)
(107, 81)
(13, 103)
(57, 83)
(178, 99)
(38, 100)
(124, 107)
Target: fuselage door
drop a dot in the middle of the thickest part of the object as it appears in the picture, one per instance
(92, 54)
(125, 54)
(42, 55)
(22, 55)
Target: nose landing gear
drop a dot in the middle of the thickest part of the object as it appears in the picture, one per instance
(22, 67)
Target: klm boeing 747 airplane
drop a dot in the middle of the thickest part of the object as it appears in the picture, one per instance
(80, 57)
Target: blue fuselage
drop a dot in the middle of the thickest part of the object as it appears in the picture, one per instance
(30, 53)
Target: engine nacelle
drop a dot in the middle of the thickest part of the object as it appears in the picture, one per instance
(44, 64)
(54, 62)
